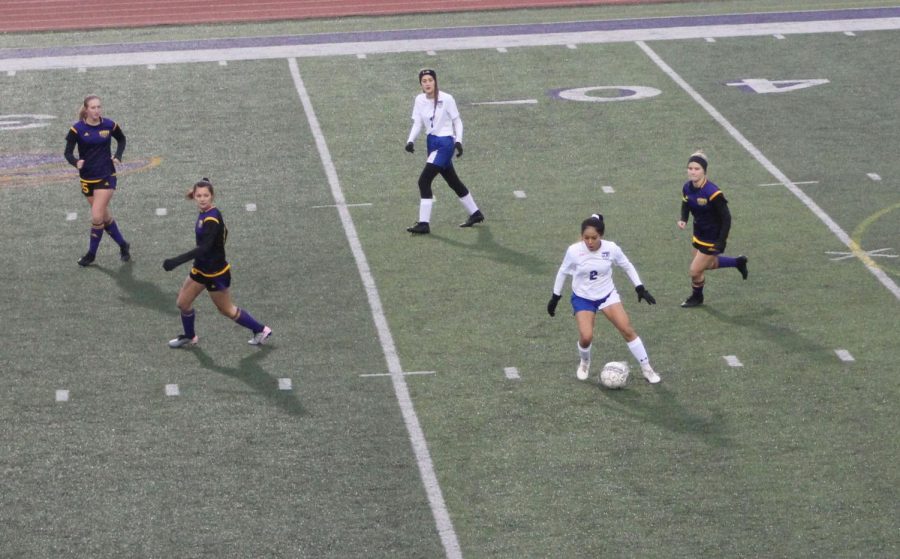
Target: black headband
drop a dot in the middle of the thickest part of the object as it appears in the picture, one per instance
(700, 160)
(427, 72)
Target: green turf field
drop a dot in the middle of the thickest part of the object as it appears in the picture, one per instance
(794, 454)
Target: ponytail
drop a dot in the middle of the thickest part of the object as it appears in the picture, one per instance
(202, 183)
(82, 110)
(595, 221)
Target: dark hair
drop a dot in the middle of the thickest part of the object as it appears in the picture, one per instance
(595, 221)
(202, 183)
(427, 72)
(433, 74)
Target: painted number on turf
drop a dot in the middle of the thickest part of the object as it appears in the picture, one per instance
(606, 93)
(755, 85)
(21, 122)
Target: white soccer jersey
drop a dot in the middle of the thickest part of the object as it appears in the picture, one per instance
(591, 272)
(437, 120)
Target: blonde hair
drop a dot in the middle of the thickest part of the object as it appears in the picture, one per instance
(82, 110)
(700, 158)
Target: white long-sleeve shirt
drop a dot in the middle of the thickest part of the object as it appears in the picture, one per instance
(440, 120)
(591, 272)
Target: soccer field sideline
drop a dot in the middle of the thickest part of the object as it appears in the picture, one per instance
(442, 520)
(461, 38)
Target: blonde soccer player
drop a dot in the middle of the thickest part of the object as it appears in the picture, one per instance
(93, 134)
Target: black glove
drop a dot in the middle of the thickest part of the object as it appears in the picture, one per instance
(410, 148)
(458, 147)
(551, 306)
(645, 295)
(169, 264)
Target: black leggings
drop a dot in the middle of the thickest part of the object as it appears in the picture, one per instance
(449, 173)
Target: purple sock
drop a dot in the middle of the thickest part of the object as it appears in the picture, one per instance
(113, 230)
(96, 235)
(187, 321)
(246, 320)
(697, 289)
(727, 262)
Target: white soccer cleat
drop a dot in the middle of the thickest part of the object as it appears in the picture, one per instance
(584, 370)
(183, 340)
(650, 374)
(260, 337)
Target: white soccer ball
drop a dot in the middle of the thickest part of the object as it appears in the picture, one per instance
(614, 374)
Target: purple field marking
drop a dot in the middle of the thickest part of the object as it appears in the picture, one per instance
(457, 32)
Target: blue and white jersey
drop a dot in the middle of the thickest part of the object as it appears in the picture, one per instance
(591, 271)
(438, 119)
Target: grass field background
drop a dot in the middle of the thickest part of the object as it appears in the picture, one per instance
(791, 455)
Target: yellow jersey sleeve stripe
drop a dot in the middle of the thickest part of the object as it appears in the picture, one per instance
(205, 219)
(715, 194)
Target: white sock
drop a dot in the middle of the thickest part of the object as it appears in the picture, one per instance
(584, 352)
(637, 349)
(469, 203)
(425, 205)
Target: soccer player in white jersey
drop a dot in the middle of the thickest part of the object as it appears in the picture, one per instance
(436, 112)
(590, 262)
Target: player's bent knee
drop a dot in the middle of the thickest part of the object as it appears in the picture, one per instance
(231, 312)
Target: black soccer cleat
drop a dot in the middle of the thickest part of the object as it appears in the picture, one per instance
(741, 265)
(476, 217)
(125, 252)
(694, 300)
(86, 260)
(420, 228)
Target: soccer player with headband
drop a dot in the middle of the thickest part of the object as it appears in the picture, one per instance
(712, 223)
(436, 112)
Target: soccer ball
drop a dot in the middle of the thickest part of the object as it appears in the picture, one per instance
(614, 374)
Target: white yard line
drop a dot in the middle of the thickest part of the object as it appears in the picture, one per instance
(844, 355)
(775, 172)
(733, 361)
(405, 373)
(416, 435)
